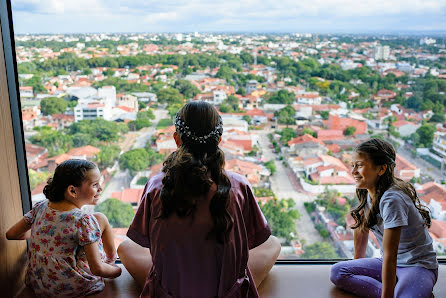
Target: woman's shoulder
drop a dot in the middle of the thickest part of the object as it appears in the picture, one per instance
(237, 180)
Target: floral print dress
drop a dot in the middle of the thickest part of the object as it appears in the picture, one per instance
(57, 261)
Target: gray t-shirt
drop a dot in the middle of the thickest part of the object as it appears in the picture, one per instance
(396, 209)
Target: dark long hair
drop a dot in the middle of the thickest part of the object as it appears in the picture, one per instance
(380, 153)
(192, 169)
(69, 172)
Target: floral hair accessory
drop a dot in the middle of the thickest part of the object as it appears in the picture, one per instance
(186, 131)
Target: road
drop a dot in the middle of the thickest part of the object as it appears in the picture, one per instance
(133, 140)
(146, 133)
(285, 185)
(425, 167)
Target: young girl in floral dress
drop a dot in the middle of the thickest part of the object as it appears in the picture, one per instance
(70, 251)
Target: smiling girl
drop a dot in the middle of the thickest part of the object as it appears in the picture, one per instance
(66, 255)
(390, 208)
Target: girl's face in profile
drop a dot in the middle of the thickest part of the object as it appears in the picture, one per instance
(364, 171)
(90, 189)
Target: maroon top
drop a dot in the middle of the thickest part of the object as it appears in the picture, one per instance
(188, 264)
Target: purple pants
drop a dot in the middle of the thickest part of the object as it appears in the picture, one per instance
(362, 277)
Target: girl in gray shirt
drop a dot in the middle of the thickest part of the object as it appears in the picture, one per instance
(390, 208)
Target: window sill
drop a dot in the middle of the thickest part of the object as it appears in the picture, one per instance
(284, 280)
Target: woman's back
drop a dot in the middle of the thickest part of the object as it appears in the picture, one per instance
(186, 259)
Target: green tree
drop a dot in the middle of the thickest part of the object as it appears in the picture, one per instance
(308, 131)
(349, 131)
(438, 118)
(54, 141)
(134, 160)
(186, 88)
(107, 156)
(53, 105)
(282, 97)
(263, 192)
(119, 214)
(281, 217)
(271, 166)
(35, 178)
(319, 250)
(286, 115)
(247, 118)
(173, 109)
(169, 95)
(287, 134)
(425, 135)
(99, 129)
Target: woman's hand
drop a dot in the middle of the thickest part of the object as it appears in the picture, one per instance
(391, 240)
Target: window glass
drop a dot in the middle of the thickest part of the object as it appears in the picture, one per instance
(294, 105)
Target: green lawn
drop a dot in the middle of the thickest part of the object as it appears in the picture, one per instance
(164, 123)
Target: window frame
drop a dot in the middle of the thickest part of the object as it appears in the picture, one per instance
(14, 101)
(17, 124)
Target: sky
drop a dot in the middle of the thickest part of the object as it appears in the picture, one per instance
(313, 16)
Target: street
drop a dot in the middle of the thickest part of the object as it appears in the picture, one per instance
(285, 185)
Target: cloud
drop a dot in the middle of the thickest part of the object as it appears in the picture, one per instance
(241, 15)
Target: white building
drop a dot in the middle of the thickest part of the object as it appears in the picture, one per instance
(91, 111)
(439, 143)
(382, 52)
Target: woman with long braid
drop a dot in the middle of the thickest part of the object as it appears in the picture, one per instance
(197, 224)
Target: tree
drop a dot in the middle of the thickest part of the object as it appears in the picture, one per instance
(308, 131)
(53, 105)
(173, 109)
(271, 166)
(107, 156)
(286, 115)
(319, 250)
(119, 214)
(349, 131)
(324, 114)
(186, 88)
(287, 134)
(247, 118)
(282, 97)
(55, 142)
(134, 160)
(35, 178)
(439, 118)
(425, 135)
(154, 156)
(99, 129)
(170, 96)
(281, 217)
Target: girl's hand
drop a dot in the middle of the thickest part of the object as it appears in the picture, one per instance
(391, 240)
(116, 271)
(97, 266)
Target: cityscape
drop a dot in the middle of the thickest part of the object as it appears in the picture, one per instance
(294, 106)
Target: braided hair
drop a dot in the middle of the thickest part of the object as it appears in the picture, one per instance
(381, 152)
(195, 166)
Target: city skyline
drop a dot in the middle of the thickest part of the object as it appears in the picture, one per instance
(335, 16)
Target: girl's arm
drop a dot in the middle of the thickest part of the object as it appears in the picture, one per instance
(391, 241)
(361, 239)
(97, 267)
(20, 231)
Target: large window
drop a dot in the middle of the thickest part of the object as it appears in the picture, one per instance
(293, 105)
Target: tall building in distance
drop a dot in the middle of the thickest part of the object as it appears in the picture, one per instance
(382, 52)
